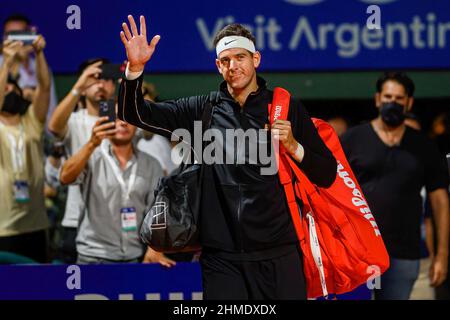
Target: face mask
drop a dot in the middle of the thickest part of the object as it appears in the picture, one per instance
(15, 104)
(392, 114)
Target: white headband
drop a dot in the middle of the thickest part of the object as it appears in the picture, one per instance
(234, 42)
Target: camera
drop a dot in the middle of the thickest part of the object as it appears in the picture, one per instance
(111, 71)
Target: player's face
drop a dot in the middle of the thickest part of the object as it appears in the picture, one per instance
(238, 67)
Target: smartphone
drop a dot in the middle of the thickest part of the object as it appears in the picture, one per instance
(111, 71)
(27, 37)
(108, 109)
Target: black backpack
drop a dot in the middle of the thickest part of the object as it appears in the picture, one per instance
(172, 223)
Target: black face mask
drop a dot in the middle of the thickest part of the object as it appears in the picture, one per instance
(392, 114)
(15, 104)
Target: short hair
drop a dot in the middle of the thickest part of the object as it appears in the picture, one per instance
(16, 17)
(234, 29)
(88, 62)
(400, 78)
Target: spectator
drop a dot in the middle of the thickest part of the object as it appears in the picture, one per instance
(24, 68)
(23, 220)
(339, 124)
(392, 163)
(117, 185)
(74, 128)
(440, 132)
(161, 149)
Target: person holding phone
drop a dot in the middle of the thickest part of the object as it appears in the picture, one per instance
(24, 67)
(117, 183)
(23, 218)
(74, 128)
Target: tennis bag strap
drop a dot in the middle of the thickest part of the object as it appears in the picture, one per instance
(279, 109)
(288, 173)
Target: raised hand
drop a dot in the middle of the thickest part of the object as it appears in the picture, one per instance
(39, 44)
(136, 44)
(89, 76)
(10, 49)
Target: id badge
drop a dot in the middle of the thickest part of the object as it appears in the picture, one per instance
(21, 191)
(128, 217)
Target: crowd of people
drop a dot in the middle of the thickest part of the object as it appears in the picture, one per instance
(75, 186)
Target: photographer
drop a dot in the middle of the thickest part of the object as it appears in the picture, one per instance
(24, 68)
(23, 220)
(117, 185)
(74, 129)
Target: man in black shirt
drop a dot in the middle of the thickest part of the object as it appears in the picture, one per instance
(392, 163)
(250, 248)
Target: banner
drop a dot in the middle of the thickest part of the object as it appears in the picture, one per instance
(110, 282)
(292, 35)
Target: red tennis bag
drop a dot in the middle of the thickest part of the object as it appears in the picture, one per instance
(340, 240)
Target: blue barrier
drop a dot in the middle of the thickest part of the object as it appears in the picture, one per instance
(113, 282)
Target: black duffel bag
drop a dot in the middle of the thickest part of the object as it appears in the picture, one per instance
(171, 225)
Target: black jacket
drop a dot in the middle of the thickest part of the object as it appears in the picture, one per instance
(242, 210)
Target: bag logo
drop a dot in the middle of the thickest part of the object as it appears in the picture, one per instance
(159, 213)
(357, 199)
(277, 112)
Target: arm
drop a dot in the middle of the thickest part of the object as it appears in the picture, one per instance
(3, 79)
(58, 122)
(160, 118)
(429, 236)
(73, 166)
(10, 49)
(41, 100)
(440, 206)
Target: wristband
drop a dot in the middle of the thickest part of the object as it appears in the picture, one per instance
(75, 92)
